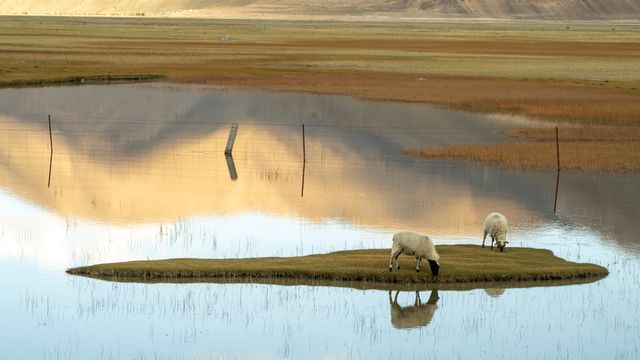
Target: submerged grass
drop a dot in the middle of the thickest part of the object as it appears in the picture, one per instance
(578, 133)
(581, 156)
(582, 148)
(460, 264)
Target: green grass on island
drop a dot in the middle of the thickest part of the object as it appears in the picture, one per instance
(459, 264)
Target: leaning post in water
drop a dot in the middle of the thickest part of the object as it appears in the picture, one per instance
(233, 174)
(51, 152)
(232, 138)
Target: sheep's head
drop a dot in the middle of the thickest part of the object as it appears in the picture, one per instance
(435, 267)
(501, 243)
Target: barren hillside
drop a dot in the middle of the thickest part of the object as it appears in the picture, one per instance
(322, 9)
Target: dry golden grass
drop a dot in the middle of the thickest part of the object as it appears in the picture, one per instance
(589, 74)
(505, 46)
(459, 264)
(583, 156)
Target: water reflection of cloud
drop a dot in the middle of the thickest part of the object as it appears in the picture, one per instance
(152, 154)
(31, 233)
(55, 243)
(190, 178)
(173, 198)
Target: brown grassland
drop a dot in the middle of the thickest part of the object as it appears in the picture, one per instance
(459, 264)
(583, 75)
(591, 75)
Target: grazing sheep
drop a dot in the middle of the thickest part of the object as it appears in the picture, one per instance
(414, 244)
(496, 226)
(419, 314)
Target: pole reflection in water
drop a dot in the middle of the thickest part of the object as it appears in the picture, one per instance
(233, 174)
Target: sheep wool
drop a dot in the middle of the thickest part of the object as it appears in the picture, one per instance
(414, 244)
(496, 226)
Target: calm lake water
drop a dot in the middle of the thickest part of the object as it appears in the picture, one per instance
(138, 172)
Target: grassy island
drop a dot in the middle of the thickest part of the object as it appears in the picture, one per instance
(460, 264)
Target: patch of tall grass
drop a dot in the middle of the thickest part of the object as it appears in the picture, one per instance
(579, 155)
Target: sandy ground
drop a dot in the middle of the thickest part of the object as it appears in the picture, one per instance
(333, 9)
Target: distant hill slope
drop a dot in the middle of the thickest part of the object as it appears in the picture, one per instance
(495, 9)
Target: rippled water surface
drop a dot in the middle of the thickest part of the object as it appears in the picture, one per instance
(138, 172)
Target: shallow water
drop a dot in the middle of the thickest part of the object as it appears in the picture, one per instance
(138, 172)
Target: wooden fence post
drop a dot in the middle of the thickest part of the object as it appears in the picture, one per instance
(232, 138)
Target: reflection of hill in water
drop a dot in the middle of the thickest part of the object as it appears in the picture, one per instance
(133, 154)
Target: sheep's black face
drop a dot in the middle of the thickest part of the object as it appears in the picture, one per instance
(435, 267)
(501, 245)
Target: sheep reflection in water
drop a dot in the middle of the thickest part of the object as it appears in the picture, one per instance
(407, 317)
(494, 292)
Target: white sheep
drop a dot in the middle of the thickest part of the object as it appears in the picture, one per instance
(496, 226)
(414, 244)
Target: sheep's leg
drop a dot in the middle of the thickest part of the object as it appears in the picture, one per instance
(395, 300)
(390, 301)
(492, 240)
(418, 301)
(434, 297)
(484, 237)
(418, 258)
(395, 252)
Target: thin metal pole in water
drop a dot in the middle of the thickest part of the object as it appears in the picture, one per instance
(50, 163)
(51, 153)
(557, 149)
(304, 161)
(555, 201)
(303, 170)
(50, 136)
(304, 147)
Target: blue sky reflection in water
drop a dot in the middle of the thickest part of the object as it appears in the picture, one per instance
(138, 173)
